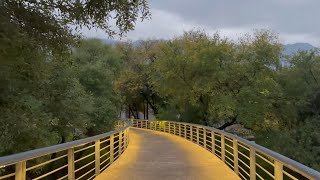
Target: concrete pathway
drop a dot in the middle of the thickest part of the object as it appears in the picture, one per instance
(153, 155)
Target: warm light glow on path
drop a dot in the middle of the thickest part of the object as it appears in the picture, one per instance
(153, 155)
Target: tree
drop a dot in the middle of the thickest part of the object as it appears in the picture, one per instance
(42, 96)
(298, 137)
(218, 79)
(50, 22)
(134, 83)
(97, 66)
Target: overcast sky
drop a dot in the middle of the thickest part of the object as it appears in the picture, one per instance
(293, 20)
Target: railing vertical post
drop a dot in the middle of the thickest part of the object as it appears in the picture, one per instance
(97, 156)
(124, 139)
(278, 170)
(204, 138)
(185, 131)
(71, 175)
(222, 148)
(198, 132)
(174, 128)
(169, 128)
(213, 143)
(179, 129)
(235, 156)
(158, 126)
(21, 170)
(128, 137)
(252, 163)
(111, 148)
(120, 143)
(191, 133)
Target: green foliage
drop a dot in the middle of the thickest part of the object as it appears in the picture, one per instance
(298, 137)
(223, 80)
(134, 82)
(96, 67)
(301, 143)
(215, 81)
(49, 22)
(46, 96)
(63, 101)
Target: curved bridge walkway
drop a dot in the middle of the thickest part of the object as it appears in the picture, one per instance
(154, 155)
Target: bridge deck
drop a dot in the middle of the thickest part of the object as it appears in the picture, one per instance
(153, 155)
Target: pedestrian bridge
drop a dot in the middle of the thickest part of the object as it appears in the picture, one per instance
(142, 149)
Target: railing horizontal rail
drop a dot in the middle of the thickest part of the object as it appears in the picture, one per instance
(24, 156)
(218, 139)
(82, 158)
(71, 159)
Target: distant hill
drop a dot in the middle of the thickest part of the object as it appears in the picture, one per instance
(135, 43)
(110, 41)
(290, 49)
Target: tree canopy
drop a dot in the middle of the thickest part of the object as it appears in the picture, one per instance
(54, 86)
(211, 80)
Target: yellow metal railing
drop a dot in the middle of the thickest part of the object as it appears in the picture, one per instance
(81, 159)
(86, 158)
(247, 159)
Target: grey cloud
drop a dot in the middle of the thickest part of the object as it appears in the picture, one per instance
(293, 20)
(283, 16)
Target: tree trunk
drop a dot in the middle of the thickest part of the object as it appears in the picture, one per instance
(153, 107)
(227, 124)
(147, 111)
(144, 111)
